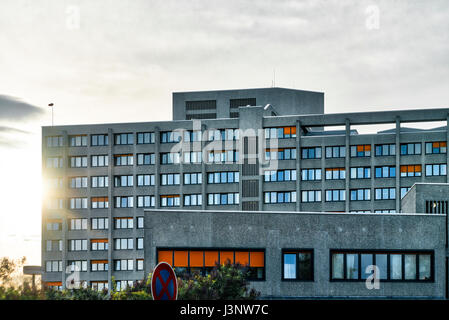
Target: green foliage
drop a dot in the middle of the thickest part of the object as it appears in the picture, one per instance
(225, 282)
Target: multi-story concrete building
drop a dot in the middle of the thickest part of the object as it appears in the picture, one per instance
(238, 150)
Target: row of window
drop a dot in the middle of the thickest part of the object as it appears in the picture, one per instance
(95, 265)
(102, 244)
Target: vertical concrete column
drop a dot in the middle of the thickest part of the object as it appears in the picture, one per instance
(111, 205)
(64, 224)
(347, 162)
(157, 163)
(398, 164)
(447, 152)
(204, 137)
(298, 165)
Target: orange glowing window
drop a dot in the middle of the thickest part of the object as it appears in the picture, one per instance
(418, 168)
(293, 130)
(181, 259)
(360, 148)
(196, 258)
(210, 258)
(165, 256)
(99, 261)
(435, 145)
(242, 257)
(287, 130)
(410, 168)
(257, 259)
(443, 144)
(368, 147)
(99, 240)
(225, 256)
(403, 168)
(54, 284)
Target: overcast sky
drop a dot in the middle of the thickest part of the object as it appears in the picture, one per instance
(117, 61)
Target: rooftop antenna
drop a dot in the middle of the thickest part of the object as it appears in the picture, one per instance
(51, 105)
(273, 82)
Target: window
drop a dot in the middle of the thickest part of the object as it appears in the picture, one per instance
(78, 182)
(434, 206)
(139, 263)
(123, 159)
(124, 223)
(78, 245)
(222, 198)
(100, 182)
(54, 162)
(385, 193)
(385, 150)
(99, 265)
(99, 244)
(335, 173)
(145, 137)
(192, 136)
(335, 195)
(145, 180)
(172, 200)
(411, 171)
(393, 265)
(385, 211)
(53, 266)
(410, 148)
(54, 245)
(139, 243)
(100, 202)
(360, 194)
(99, 140)
(280, 132)
(78, 224)
(189, 261)
(99, 223)
(170, 158)
(307, 174)
(280, 154)
(78, 162)
(99, 161)
(280, 197)
(385, 172)
(78, 140)
(124, 244)
(54, 183)
(170, 179)
(124, 265)
(123, 284)
(54, 225)
(311, 153)
(170, 136)
(193, 157)
(193, 200)
(436, 147)
(297, 265)
(222, 156)
(145, 201)
(54, 204)
(193, 178)
(283, 175)
(146, 159)
(223, 134)
(360, 173)
(361, 150)
(124, 202)
(223, 177)
(436, 170)
(78, 203)
(124, 138)
(140, 221)
(55, 141)
(99, 285)
(123, 181)
(336, 152)
(311, 196)
(404, 190)
(77, 265)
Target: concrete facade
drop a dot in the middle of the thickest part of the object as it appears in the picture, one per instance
(321, 232)
(249, 192)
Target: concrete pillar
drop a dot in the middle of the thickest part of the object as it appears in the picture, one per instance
(298, 165)
(398, 164)
(347, 162)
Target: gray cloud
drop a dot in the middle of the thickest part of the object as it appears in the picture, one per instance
(12, 108)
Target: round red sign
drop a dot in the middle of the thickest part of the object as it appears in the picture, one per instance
(163, 283)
